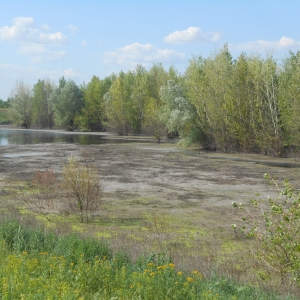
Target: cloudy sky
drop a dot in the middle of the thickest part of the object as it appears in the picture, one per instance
(78, 39)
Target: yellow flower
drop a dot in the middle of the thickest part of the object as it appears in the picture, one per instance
(152, 274)
(195, 272)
(171, 265)
(189, 279)
(151, 264)
(179, 273)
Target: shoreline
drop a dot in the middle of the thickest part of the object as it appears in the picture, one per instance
(286, 162)
(105, 134)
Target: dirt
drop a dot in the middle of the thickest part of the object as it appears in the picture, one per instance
(158, 176)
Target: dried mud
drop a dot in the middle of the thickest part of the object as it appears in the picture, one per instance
(155, 176)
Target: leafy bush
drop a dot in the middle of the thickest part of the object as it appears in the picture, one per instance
(275, 226)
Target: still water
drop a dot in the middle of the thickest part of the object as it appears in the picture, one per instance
(25, 137)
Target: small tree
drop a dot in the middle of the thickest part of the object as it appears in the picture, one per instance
(274, 224)
(41, 198)
(81, 184)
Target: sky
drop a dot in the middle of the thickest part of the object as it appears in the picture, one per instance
(79, 39)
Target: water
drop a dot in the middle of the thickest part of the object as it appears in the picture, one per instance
(25, 137)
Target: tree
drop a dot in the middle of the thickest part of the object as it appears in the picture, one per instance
(289, 99)
(67, 101)
(118, 103)
(4, 104)
(82, 186)
(20, 110)
(178, 114)
(42, 108)
(93, 114)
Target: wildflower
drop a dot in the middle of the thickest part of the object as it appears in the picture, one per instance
(179, 273)
(190, 279)
(24, 252)
(151, 264)
(195, 272)
(152, 274)
(171, 266)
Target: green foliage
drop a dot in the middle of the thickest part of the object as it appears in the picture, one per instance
(247, 104)
(67, 101)
(118, 103)
(177, 113)
(39, 265)
(4, 116)
(93, 114)
(20, 110)
(42, 108)
(4, 104)
(275, 226)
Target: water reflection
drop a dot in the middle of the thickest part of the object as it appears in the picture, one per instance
(25, 137)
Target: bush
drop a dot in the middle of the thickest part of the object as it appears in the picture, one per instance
(275, 226)
(81, 184)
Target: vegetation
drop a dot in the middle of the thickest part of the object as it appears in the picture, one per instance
(81, 184)
(40, 265)
(274, 225)
(4, 117)
(247, 104)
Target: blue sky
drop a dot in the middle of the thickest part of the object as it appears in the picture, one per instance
(78, 39)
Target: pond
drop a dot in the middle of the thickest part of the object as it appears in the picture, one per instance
(25, 137)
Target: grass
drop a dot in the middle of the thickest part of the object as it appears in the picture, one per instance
(37, 264)
(196, 237)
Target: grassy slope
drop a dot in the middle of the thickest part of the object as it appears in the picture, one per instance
(40, 265)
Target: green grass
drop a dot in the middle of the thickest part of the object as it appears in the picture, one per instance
(36, 264)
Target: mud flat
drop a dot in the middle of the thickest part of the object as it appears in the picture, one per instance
(172, 178)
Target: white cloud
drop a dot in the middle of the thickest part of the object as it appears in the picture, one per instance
(73, 29)
(40, 54)
(45, 27)
(145, 54)
(284, 43)
(33, 41)
(192, 35)
(24, 30)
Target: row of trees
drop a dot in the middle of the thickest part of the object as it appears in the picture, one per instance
(247, 104)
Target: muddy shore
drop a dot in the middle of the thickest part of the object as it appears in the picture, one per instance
(168, 178)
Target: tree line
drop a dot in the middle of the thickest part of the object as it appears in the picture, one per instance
(247, 104)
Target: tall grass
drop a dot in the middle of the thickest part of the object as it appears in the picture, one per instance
(42, 265)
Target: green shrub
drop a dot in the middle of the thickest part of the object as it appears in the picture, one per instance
(274, 226)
